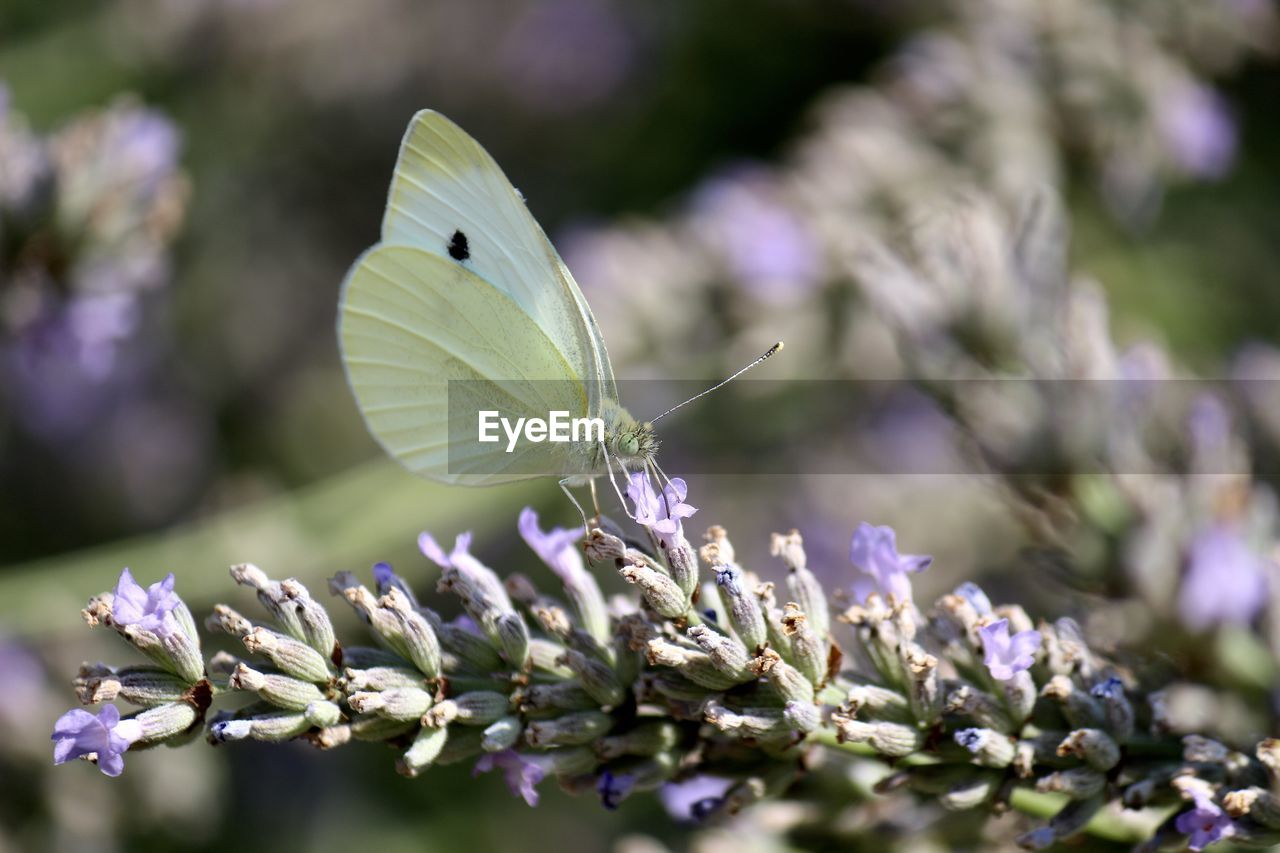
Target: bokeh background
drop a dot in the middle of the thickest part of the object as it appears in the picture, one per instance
(184, 184)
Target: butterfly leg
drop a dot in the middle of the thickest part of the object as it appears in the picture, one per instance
(595, 501)
(608, 466)
(564, 487)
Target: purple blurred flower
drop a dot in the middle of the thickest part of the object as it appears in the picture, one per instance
(973, 594)
(150, 609)
(614, 788)
(522, 772)
(1209, 423)
(557, 547)
(1005, 655)
(1225, 581)
(763, 241)
(1205, 824)
(874, 552)
(694, 798)
(24, 682)
(562, 56)
(1198, 129)
(78, 733)
(661, 513)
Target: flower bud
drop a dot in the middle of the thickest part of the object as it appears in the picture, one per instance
(397, 703)
(478, 707)
(644, 740)
(289, 655)
(747, 722)
(138, 685)
(988, 747)
(891, 739)
(280, 690)
(659, 590)
(377, 678)
(322, 714)
(1020, 695)
(1093, 746)
(802, 716)
(416, 636)
(971, 793)
(1256, 803)
(742, 606)
(513, 638)
(423, 752)
(978, 706)
(802, 583)
(924, 688)
(597, 679)
(1116, 709)
(270, 726)
(1078, 783)
(693, 665)
(503, 733)
(166, 721)
(559, 696)
(879, 702)
(684, 565)
(1081, 710)
(726, 653)
(791, 685)
(572, 729)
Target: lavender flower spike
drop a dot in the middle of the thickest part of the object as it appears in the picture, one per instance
(522, 773)
(78, 733)
(1205, 824)
(874, 552)
(661, 513)
(1004, 655)
(150, 609)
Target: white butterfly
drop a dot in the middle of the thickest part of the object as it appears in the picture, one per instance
(464, 285)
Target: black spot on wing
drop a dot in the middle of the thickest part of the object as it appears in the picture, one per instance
(459, 249)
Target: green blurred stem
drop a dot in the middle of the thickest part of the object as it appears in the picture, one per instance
(1105, 824)
(348, 521)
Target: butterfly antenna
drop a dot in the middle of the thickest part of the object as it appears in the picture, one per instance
(722, 383)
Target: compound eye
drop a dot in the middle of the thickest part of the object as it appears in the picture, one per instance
(629, 445)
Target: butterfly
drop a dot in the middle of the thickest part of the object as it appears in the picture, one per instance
(465, 306)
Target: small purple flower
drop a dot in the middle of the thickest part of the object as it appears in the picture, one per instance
(522, 772)
(972, 739)
(764, 243)
(614, 788)
(1205, 824)
(150, 609)
(1225, 581)
(1005, 655)
(874, 552)
(78, 733)
(461, 559)
(1198, 129)
(694, 798)
(977, 599)
(661, 513)
(557, 547)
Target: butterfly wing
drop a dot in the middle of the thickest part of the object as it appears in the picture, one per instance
(410, 322)
(450, 198)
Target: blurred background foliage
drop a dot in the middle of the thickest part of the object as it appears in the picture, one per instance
(224, 430)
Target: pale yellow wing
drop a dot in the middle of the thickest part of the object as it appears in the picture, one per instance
(411, 321)
(450, 198)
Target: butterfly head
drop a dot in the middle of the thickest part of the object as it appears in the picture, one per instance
(634, 444)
